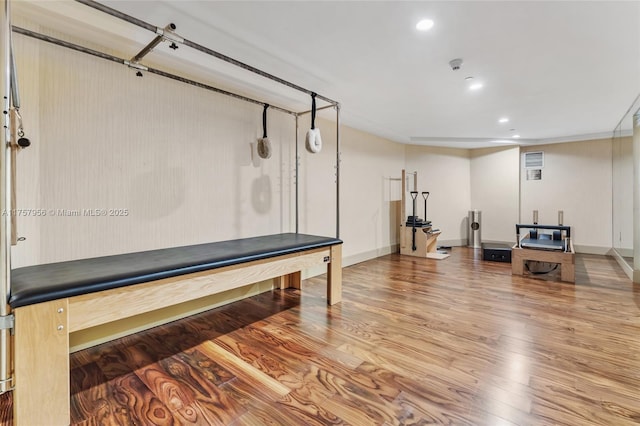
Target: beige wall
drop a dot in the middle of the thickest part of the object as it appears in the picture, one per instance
(495, 191)
(445, 173)
(576, 178)
(370, 194)
(177, 158)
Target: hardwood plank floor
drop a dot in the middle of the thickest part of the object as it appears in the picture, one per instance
(415, 341)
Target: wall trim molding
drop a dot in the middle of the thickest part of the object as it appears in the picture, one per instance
(628, 270)
(371, 254)
(453, 243)
(604, 251)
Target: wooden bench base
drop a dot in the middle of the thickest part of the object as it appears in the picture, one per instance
(41, 341)
(426, 243)
(566, 260)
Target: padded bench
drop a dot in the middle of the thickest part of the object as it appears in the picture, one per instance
(50, 301)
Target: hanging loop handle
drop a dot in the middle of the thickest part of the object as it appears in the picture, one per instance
(313, 110)
(264, 121)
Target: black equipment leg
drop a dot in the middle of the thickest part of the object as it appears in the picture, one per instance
(426, 219)
(414, 196)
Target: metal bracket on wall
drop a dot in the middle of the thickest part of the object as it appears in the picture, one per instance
(7, 323)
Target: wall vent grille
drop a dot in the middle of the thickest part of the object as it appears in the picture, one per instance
(534, 160)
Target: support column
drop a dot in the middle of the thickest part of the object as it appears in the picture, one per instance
(5, 193)
(334, 276)
(41, 395)
(636, 198)
(292, 280)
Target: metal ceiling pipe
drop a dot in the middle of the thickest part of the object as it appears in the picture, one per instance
(152, 44)
(118, 14)
(196, 46)
(66, 44)
(15, 93)
(215, 89)
(317, 109)
(112, 58)
(6, 382)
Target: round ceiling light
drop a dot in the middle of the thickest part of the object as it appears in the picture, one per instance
(503, 120)
(476, 86)
(424, 25)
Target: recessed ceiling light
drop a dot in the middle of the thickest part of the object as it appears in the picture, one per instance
(503, 120)
(516, 136)
(424, 25)
(476, 86)
(501, 141)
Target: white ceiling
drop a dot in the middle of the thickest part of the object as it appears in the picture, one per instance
(560, 71)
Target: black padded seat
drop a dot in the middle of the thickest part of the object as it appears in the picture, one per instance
(43, 283)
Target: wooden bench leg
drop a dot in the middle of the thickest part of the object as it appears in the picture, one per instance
(568, 272)
(278, 283)
(41, 395)
(292, 280)
(334, 276)
(517, 263)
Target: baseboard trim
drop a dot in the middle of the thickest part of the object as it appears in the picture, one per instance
(452, 243)
(628, 270)
(371, 254)
(604, 251)
(353, 259)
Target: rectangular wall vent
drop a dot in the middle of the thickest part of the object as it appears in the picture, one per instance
(534, 160)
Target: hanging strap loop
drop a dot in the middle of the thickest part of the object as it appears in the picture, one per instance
(264, 121)
(313, 110)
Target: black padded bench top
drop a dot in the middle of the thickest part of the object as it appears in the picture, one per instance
(43, 283)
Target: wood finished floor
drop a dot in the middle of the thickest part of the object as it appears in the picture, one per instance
(415, 341)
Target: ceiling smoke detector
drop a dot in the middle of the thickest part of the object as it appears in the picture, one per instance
(455, 64)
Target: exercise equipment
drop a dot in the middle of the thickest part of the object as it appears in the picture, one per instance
(496, 252)
(417, 236)
(414, 219)
(425, 203)
(558, 240)
(313, 140)
(541, 252)
(264, 145)
(54, 300)
(36, 335)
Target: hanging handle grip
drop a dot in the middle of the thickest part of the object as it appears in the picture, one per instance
(313, 110)
(423, 195)
(264, 120)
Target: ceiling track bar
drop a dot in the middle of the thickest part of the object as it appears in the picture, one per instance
(317, 109)
(196, 46)
(153, 43)
(135, 65)
(66, 44)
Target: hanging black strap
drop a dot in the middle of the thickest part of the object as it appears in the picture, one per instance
(264, 121)
(313, 110)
